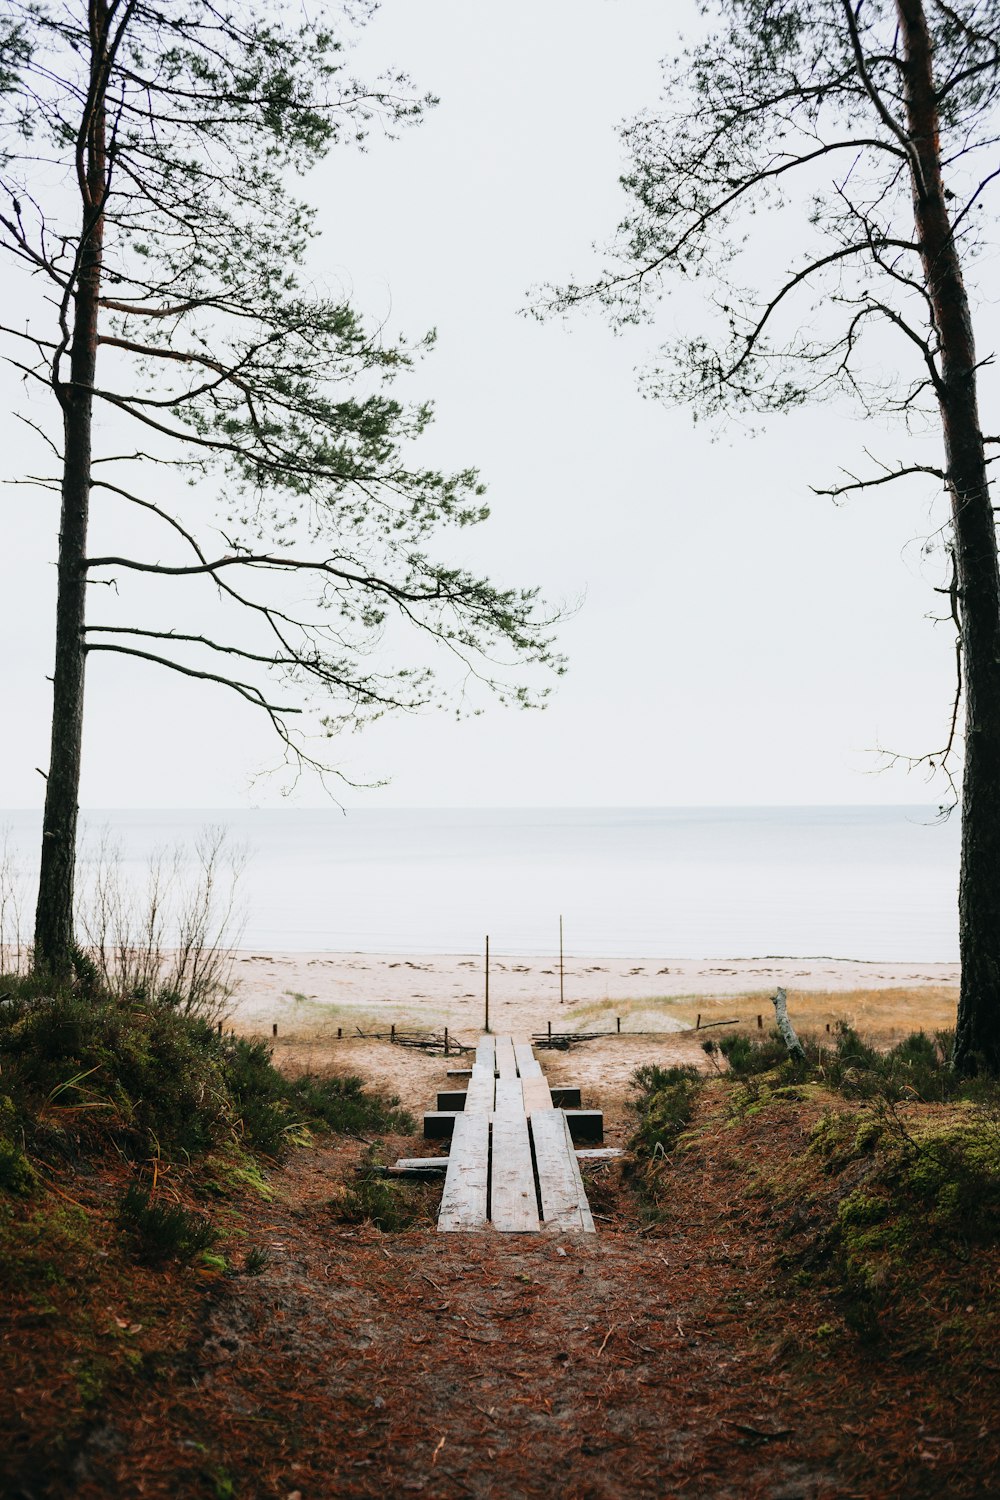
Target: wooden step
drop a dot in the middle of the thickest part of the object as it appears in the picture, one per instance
(417, 1167)
(586, 1126)
(562, 1098)
(564, 1201)
(453, 1099)
(439, 1124)
(463, 1201)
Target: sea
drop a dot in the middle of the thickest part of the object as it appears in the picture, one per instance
(870, 883)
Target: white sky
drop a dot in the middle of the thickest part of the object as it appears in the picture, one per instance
(741, 640)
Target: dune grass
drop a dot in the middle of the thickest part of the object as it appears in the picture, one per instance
(885, 1014)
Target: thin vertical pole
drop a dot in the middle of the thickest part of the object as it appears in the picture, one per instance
(561, 992)
(487, 982)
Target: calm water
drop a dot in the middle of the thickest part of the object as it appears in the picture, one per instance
(868, 883)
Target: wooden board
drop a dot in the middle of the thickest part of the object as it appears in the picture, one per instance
(506, 1065)
(564, 1202)
(463, 1200)
(479, 1094)
(486, 1052)
(513, 1202)
(528, 1065)
(452, 1099)
(586, 1126)
(509, 1097)
(536, 1093)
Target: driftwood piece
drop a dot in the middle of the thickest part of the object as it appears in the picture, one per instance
(791, 1041)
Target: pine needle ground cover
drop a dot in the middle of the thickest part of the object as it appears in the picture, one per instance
(793, 1292)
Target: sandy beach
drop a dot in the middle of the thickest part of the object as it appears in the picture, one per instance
(363, 989)
(310, 996)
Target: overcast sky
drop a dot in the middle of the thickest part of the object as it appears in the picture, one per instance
(740, 639)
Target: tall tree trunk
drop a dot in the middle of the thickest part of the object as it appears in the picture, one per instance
(978, 575)
(54, 927)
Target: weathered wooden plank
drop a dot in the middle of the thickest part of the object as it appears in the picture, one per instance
(506, 1064)
(598, 1153)
(479, 1094)
(513, 1202)
(564, 1201)
(486, 1052)
(509, 1097)
(536, 1093)
(463, 1200)
(429, 1169)
(528, 1065)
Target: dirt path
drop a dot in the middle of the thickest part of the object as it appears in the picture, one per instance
(674, 1361)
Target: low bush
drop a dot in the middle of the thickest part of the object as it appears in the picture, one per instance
(664, 1105)
(917, 1068)
(373, 1200)
(79, 1071)
(162, 1231)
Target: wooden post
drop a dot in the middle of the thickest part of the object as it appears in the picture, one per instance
(760, 1023)
(274, 1029)
(619, 1021)
(697, 1024)
(220, 1028)
(562, 995)
(550, 1031)
(392, 1032)
(487, 1026)
(828, 1026)
(446, 1041)
(340, 1032)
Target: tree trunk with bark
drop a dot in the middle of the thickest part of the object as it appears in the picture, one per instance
(977, 571)
(54, 918)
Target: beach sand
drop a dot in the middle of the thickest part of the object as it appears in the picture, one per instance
(309, 996)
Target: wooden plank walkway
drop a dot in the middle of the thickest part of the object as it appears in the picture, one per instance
(463, 1202)
(564, 1202)
(513, 1163)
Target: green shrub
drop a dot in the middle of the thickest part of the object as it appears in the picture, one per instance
(373, 1200)
(256, 1261)
(664, 1106)
(917, 1068)
(748, 1055)
(162, 1231)
(82, 1070)
(268, 1105)
(81, 1065)
(342, 1104)
(16, 1172)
